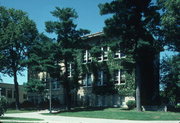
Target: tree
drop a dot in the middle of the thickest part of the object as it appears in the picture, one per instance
(43, 57)
(170, 79)
(3, 105)
(17, 35)
(133, 26)
(170, 23)
(68, 39)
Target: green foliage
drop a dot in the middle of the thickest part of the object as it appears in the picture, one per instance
(35, 86)
(17, 35)
(131, 104)
(170, 79)
(134, 26)
(127, 89)
(3, 105)
(170, 23)
(69, 42)
(45, 56)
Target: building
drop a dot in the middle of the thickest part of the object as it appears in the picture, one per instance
(8, 91)
(102, 82)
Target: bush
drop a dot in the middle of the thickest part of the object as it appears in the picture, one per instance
(131, 104)
(27, 104)
(3, 105)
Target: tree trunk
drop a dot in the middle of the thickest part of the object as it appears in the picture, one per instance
(16, 89)
(138, 86)
(66, 87)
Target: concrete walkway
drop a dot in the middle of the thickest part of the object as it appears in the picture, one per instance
(62, 119)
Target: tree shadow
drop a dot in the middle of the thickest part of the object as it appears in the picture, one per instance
(80, 109)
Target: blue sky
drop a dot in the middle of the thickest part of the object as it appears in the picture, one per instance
(39, 11)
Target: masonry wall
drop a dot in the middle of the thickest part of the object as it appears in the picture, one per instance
(8, 91)
(87, 98)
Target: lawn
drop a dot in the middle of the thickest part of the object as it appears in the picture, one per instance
(18, 111)
(20, 119)
(116, 113)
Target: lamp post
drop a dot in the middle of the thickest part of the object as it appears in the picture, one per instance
(0, 91)
(50, 96)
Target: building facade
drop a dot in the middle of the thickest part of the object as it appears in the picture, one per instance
(8, 91)
(103, 81)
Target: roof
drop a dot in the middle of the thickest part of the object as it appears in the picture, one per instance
(93, 35)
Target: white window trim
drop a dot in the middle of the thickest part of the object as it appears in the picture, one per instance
(119, 78)
(118, 53)
(87, 57)
(69, 70)
(104, 53)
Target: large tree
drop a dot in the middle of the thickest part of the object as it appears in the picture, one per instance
(68, 39)
(170, 23)
(170, 79)
(17, 34)
(134, 24)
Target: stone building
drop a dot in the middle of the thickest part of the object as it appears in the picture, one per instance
(8, 91)
(95, 81)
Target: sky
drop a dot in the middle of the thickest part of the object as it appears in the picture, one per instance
(39, 11)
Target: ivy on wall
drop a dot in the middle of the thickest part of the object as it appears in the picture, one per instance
(109, 67)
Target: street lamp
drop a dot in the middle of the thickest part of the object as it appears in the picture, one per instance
(50, 96)
(0, 91)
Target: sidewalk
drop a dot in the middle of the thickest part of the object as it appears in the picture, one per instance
(62, 119)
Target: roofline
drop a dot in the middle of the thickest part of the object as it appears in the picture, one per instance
(94, 35)
(8, 84)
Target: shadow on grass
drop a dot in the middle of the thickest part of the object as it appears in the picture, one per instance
(19, 118)
(80, 109)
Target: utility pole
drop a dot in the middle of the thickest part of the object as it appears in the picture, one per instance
(50, 96)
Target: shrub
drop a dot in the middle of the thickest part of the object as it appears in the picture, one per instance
(131, 104)
(3, 105)
(27, 104)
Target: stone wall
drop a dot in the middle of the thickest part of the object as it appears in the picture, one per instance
(85, 97)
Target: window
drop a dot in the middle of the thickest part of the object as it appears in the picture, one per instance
(87, 57)
(104, 55)
(3, 91)
(14, 94)
(117, 54)
(87, 80)
(24, 96)
(58, 84)
(70, 70)
(53, 85)
(122, 55)
(122, 77)
(102, 78)
(119, 77)
(9, 93)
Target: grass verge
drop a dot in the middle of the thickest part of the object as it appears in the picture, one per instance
(10, 111)
(116, 113)
(20, 119)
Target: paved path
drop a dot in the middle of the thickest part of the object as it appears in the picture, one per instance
(62, 119)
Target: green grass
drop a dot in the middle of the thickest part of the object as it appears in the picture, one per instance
(116, 113)
(10, 111)
(20, 119)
